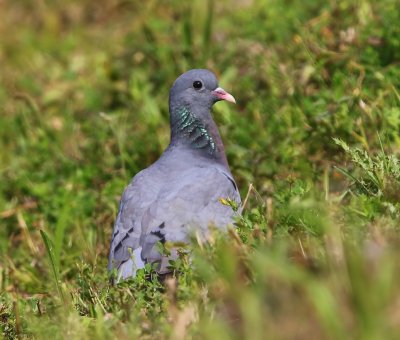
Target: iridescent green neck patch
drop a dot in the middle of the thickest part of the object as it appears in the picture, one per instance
(194, 130)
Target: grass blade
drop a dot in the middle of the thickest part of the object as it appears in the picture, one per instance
(207, 32)
(54, 268)
(61, 226)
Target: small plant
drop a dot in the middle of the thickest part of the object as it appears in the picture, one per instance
(372, 175)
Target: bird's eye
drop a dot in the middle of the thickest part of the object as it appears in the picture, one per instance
(197, 85)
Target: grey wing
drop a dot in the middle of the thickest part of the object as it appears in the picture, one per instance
(190, 203)
(150, 213)
(125, 243)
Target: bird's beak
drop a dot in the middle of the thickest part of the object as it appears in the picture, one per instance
(221, 94)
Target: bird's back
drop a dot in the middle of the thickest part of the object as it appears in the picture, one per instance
(175, 197)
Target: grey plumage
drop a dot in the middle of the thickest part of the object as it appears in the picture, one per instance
(180, 193)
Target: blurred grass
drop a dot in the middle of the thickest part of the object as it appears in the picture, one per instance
(83, 92)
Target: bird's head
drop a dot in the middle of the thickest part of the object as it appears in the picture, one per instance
(198, 87)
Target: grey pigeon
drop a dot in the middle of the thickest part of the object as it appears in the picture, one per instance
(181, 192)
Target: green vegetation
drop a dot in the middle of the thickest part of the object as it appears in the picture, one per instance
(313, 143)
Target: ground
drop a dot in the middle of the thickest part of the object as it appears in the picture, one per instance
(313, 143)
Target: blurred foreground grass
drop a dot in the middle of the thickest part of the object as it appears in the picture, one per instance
(83, 94)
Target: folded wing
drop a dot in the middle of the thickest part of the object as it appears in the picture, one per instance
(151, 212)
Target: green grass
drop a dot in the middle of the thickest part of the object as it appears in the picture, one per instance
(313, 143)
